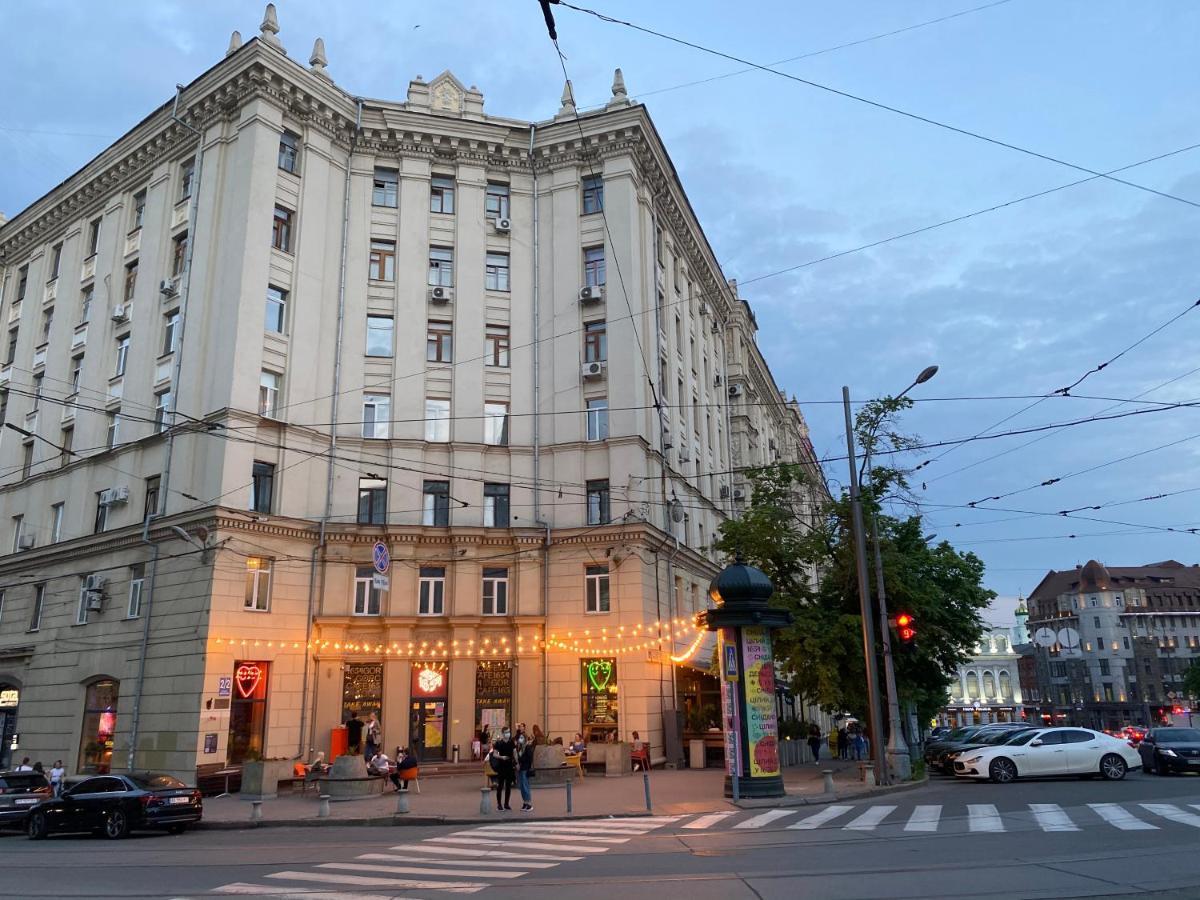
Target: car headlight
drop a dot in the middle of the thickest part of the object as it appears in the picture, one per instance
(973, 760)
(1166, 751)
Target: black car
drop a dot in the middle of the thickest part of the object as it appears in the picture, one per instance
(19, 792)
(114, 805)
(989, 737)
(1167, 750)
(934, 747)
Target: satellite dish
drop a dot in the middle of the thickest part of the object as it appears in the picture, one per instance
(1069, 638)
(1045, 637)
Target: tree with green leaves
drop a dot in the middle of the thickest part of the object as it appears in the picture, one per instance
(1191, 680)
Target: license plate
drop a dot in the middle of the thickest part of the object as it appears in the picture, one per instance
(25, 802)
(179, 800)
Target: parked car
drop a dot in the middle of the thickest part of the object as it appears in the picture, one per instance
(934, 748)
(990, 737)
(941, 756)
(1167, 750)
(114, 805)
(1050, 751)
(20, 791)
(938, 733)
(1134, 733)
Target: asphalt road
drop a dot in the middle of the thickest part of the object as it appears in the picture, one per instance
(1061, 838)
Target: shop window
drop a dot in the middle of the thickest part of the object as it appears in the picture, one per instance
(10, 699)
(599, 696)
(362, 690)
(493, 695)
(99, 726)
(248, 710)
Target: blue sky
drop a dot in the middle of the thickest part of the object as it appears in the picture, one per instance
(1015, 302)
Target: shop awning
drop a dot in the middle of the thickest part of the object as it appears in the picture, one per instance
(702, 658)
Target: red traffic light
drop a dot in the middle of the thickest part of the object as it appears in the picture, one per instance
(905, 627)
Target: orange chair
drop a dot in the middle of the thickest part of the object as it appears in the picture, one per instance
(412, 774)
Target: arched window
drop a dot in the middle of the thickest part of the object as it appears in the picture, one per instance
(1001, 644)
(1006, 686)
(972, 686)
(99, 726)
(989, 685)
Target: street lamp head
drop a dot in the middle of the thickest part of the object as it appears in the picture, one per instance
(926, 373)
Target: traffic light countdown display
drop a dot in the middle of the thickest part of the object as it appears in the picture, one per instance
(905, 627)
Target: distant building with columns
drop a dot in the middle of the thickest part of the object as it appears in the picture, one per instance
(988, 686)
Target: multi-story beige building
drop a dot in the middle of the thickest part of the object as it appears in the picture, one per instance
(276, 324)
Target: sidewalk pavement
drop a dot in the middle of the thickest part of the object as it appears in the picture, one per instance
(455, 799)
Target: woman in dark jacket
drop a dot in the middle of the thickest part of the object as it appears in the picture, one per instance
(524, 770)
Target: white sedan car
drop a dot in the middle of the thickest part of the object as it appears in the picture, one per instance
(1050, 751)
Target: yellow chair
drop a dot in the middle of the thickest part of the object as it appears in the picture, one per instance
(576, 760)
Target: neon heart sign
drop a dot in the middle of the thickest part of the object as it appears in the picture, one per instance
(248, 678)
(599, 673)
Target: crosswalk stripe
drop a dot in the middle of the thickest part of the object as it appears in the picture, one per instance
(526, 845)
(1120, 817)
(576, 829)
(421, 870)
(924, 818)
(486, 852)
(456, 887)
(826, 815)
(984, 817)
(518, 831)
(869, 819)
(1052, 817)
(414, 857)
(1173, 813)
(288, 892)
(707, 821)
(765, 818)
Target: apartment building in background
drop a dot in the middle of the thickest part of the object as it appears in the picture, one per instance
(276, 326)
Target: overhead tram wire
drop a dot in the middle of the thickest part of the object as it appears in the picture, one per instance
(874, 103)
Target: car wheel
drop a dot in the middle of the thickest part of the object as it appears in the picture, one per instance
(1002, 771)
(1112, 767)
(116, 825)
(177, 829)
(36, 829)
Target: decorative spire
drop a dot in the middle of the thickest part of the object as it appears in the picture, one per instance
(270, 27)
(620, 97)
(235, 43)
(318, 61)
(568, 101)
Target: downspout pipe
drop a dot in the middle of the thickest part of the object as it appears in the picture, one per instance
(185, 281)
(308, 722)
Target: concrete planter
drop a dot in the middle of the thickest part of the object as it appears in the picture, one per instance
(260, 778)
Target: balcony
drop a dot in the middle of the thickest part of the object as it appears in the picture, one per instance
(51, 291)
(162, 370)
(89, 269)
(133, 242)
(80, 337)
(39, 355)
(14, 312)
(68, 410)
(116, 388)
(5, 374)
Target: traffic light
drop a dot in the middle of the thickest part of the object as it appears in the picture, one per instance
(905, 627)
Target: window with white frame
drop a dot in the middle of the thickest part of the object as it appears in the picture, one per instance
(113, 430)
(597, 419)
(495, 276)
(268, 394)
(372, 501)
(39, 603)
(162, 406)
(385, 187)
(81, 614)
(366, 595)
(435, 507)
(56, 522)
(437, 419)
(495, 424)
(122, 355)
(258, 584)
(441, 267)
(441, 194)
(495, 592)
(593, 267)
(276, 311)
(432, 591)
(187, 175)
(137, 581)
(289, 152)
(596, 589)
(495, 506)
(377, 415)
(380, 332)
(496, 200)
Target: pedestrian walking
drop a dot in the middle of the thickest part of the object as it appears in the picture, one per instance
(525, 772)
(814, 742)
(354, 731)
(58, 775)
(502, 761)
(843, 742)
(374, 735)
(860, 745)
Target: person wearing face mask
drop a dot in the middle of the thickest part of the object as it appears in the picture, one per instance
(503, 758)
(524, 771)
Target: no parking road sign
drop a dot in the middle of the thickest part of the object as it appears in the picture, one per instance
(381, 558)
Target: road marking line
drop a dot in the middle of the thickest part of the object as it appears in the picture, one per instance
(286, 891)
(483, 852)
(413, 857)
(418, 870)
(542, 835)
(869, 819)
(765, 818)
(1173, 813)
(1120, 817)
(827, 814)
(1052, 817)
(984, 817)
(457, 887)
(707, 821)
(525, 845)
(924, 818)
(574, 829)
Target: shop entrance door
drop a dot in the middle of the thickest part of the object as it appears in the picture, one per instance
(429, 729)
(8, 727)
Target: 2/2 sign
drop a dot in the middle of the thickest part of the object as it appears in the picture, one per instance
(225, 686)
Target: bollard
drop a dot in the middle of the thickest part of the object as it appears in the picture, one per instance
(323, 808)
(569, 780)
(646, 784)
(736, 787)
(485, 801)
(828, 775)
(256, 810)
(401, 802)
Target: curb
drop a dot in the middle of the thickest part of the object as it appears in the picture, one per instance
(822, 799)
(398, 820)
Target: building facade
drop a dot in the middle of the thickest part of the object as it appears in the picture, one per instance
(275, 328)
(1112, 644)
(988, 686)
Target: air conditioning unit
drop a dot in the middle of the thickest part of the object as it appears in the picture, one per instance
(441, 294)
(739, 494)
(94, 583)
(25, 542)
(95, 603)
(168, 287)
(503, 224)
(724, 492)
(736, 390)
(120, 312)
(591, 293)
(111, 496)
(592, 370)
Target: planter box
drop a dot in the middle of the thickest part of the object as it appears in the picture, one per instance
(260, 779)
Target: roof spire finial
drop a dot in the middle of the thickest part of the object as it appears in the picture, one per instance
(235, 43)
(568, 101)
(620, 97)
(269, 29)
(318, 61)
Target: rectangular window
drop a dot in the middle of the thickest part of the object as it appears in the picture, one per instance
(101, 521)
(495, 424)
(178, 254)
(441, 194)
(495, 276)
(495, 592)
(495, 506)
(258, 584)
(596, 589)
(385, 187)
(137, 578)
(170, 332)
(38, 380)
(114, 430)
(276, 309)
(76, 373)
(599, 510)
(372, 501)
(437, 420)
(81, 613)
(382, 265)
(366, 595)
(439, 342)
(162, 406)
(55, 261)
(93, 241)
(436, 505)
(595, 342)
(27, 461)
(593, 267)
(593, 194)
(289, 152)
(281, 230)
(496, 200)
(441, 267)
(22, 283)
(11, 356)
(56, 521)
(377, 415)
(85, 304)
(496, 345)
(380, 330)
(18, 529)
(39, 599)
(1104, 667)
(139, 210)
(262, 487)
(597, 419)
(150, 505)
(268, 394)
(131, 273)
(47, 323)
(432, 592)
(187, 175)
